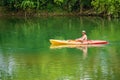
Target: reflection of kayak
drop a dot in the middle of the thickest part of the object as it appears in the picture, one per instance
(73, 42)
(75, 46)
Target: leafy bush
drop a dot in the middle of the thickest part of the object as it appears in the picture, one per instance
(108, 7)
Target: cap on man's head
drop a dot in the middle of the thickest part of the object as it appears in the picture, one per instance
(83, 31)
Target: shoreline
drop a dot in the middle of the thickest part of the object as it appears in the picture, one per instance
(45, 13)
(53, 14)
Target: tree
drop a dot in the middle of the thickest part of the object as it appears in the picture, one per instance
(27, 5)
(107, 7)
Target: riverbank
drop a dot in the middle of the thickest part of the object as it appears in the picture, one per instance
(4, 12)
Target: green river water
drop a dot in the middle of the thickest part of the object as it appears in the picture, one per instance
(26, 53)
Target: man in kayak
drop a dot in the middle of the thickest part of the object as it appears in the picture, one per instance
(83, 38)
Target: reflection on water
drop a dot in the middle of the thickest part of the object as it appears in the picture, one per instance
(83, 48)
(25, 52)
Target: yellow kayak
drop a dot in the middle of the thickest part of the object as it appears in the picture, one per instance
(73, 42)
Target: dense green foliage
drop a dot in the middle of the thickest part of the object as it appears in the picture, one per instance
(104, 7)
(107, 7)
